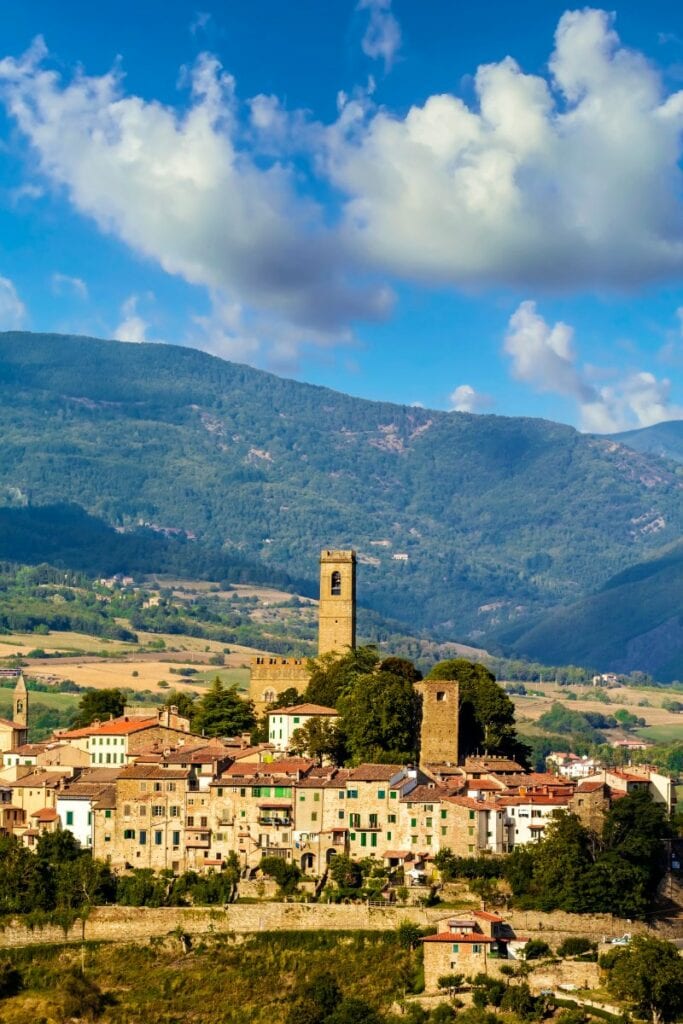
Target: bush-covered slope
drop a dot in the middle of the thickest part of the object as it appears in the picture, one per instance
(635, 620)
(499, 517)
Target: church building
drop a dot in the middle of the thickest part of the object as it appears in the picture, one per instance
(14, 733)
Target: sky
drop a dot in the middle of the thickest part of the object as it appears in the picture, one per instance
(467, 206)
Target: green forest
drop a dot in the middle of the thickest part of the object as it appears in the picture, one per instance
(214, 469)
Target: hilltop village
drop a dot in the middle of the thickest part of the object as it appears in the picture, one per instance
(141, 791)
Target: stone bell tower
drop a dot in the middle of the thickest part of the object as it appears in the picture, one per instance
(20, 716)
(337, 610)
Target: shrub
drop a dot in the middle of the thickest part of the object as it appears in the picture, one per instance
(535, 949)
(575, 945)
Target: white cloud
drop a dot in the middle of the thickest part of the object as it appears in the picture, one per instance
(382, 38)
(184, 190)
(466, 399)
(544, 357)
(12, 309)
(64, 283)
(132, 327)
(200, 22)
(566, 182)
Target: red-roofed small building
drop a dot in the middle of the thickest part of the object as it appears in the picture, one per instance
(118, 741)
(465, 945)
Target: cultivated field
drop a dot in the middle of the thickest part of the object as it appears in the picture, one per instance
(662, 725)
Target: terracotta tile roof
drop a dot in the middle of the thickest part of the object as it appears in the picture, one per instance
(284, 766)
(470, 937)
(13, 725)
(485, 785)
(590, 787)
(374, 772)
(486, 915)
(304, 709)
(468, 801)
(122, 726)
(45, 814)
(37, 779)
(424, 795)
(29, 749)
(150, 771)
(492, 764)
(106, 800)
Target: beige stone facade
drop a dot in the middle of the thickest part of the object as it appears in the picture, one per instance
(439, 729)
(337, 609)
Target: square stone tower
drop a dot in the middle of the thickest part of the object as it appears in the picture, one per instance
(439, 729)
(337, 611)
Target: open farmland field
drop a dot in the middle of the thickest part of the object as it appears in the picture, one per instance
(665, 723)
(59, 701)
(98, 673)
(22, 643)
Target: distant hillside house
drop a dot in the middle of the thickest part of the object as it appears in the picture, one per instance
(284, 722)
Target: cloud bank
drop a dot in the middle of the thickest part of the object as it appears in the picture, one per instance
(12, 309)
(543, 356)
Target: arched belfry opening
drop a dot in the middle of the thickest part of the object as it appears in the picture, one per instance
(335, 584)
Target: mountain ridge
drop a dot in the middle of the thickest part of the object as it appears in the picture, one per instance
(494, 519)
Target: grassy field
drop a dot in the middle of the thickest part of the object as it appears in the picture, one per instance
(663, 733)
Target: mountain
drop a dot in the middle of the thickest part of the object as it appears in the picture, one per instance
(664, 439)
(463, 523)
(634, 620)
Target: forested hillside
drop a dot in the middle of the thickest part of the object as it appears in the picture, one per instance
(634, 619)
(664, 439)
(499, 518)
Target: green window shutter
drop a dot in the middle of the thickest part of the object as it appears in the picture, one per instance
(373, 839)
(381, 794)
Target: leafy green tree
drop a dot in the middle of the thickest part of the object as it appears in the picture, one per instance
(286, 873)
(536, 949)
(81, 996)
(10, 979)
(575, 945)
(346, 874)
(331, 675)
(98, 704)
(353, 1011)
(319, 738)
(184, 702)
(402, 667)
(288, 698)
(222, 712)
(649, 974)
(487, 715)
(380, 718)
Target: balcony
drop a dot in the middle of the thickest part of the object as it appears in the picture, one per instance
(198, 839)
(274, 820)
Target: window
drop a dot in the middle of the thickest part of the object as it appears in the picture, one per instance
(90, 817)
(176, 838)
(341, 794)
(107, 813)
(352, 794)
(381, 794)
(316, 798)
(219, 791)
(170, 788)
(472, 813)
(413, 822)
(190, 821)
(340, 815)
(281, 791)
(129, 833)
(157, 787)
(440, 696)
(391, 818)
(314, 816)
(335, 584)
(428, 822)
(373, 839)
(413, 840)
(428, 840)
(352, 836)
(142, 810)
(69, 817)
(392, 796)
(296, 720)
(444, 830)
(203, 822)
(302, 798)
(243, 792)
(476, 948)
(444, 815)
(354, 820)
(142, 837)
(363, 839)
(158, 838)
(373, 820)
(174, 811)
(157, 811)
(389, 836)
(455, 948)
(126, 810)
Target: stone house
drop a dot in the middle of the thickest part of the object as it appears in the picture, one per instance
(153, 823)
(320, 818)
(118, 741)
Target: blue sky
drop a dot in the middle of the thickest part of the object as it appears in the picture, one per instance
(470, 206)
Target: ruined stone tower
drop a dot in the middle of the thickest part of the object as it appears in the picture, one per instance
(439, 730)
(337, 611)
(20, 716)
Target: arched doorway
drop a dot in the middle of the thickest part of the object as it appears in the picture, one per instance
(307, 862)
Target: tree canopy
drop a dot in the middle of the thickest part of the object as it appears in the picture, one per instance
(649, 974)
(222, 712)
(99, 704)
(487, 715)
